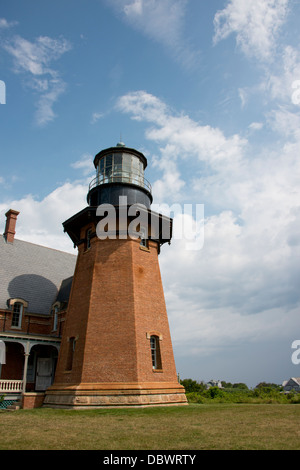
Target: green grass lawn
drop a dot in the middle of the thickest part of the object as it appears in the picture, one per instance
(194, 427)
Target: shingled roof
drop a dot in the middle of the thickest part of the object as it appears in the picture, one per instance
(34, 273)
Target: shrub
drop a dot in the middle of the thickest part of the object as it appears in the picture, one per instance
(214, 392)
(192, 386)
(195, 397)
(263, 393)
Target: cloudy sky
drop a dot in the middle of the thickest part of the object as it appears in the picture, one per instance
(210, 93)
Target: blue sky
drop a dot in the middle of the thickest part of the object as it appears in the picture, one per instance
(209, 92)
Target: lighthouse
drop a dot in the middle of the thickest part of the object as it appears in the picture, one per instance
(116, 347)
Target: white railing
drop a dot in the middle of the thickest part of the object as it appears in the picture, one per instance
(11, 386)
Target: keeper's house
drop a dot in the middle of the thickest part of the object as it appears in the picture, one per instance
(35, 284)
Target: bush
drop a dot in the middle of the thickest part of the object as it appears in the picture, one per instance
(195, 397)
(192, 386)
(263, 393)
(215, 392)
(295, 398)
(264, 385)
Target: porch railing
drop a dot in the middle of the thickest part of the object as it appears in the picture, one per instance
(11, 386)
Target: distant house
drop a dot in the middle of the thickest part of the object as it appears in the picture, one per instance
(292, 384)
(214, 383)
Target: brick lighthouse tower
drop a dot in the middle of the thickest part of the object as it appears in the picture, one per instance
(116, 347)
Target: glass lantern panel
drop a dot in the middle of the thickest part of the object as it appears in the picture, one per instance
(126, 167)
(108, 167)
(135, 170)
(117, 167)
(101, 166)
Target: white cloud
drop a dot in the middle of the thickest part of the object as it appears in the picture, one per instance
(45, 103)
(255, 24)
(96, 116)
(245, 277)
(278, 95)
(256, 126)
(180, 138)
(279, 89)
(183, 137)
(279, 81)
(85, 163)
(170, 182)
(161, 21)
(41, 221)
(284, 122)
(34, 59)
(135, 8)
(4, 24)
(143, 106)
(243, 95)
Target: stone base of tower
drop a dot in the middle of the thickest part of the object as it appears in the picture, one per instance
(114, 395)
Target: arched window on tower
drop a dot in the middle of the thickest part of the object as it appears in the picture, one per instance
(71, 350)
(144, 238)
(155, 352)
(87, 238)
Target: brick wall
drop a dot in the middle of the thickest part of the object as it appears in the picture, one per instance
(32, 400)
(151, 315)
(116, 299)
(32, 323)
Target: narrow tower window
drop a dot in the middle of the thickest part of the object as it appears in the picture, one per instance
(88, 238)
(72, 344)
(144, 240)
(155, 352)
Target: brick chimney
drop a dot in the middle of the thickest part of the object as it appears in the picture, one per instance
(11, 219)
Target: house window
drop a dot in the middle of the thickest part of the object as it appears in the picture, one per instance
(17, 315)
(155, 352)
(55, 318)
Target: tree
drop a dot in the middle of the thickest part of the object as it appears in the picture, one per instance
(240, 385)
(191, 385)
(214, 392)
(266, 385)
(226, 384)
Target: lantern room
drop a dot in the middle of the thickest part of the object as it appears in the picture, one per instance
(120, 172)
